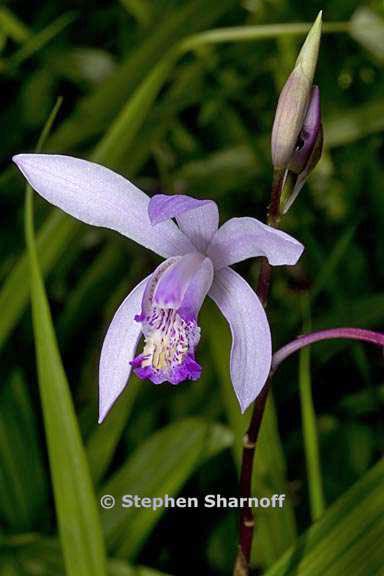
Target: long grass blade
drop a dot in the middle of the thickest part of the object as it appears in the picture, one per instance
(12, 26)
(77, 514)
(23, 480)
(39, 40)
(253, 33)
(310, 434)
(347, 539)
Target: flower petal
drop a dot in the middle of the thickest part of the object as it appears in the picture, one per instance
(174, 281)
(171, 303)
(152, 283)
(119, 349)
(242, 238)
(193, 286)
(198, 219)
(251, 351)
(99, 196)
(197, 291)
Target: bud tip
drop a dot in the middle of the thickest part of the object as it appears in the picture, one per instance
(309, 52)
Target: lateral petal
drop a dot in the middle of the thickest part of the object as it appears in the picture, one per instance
(251, 352)
(119, 349)
(242, 238)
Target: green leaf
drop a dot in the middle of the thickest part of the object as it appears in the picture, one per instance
(53, 240)
(23, 484)
(78, 519)
(95, 283)
(142, 10)
(10, 568)
(95, 112)
(330, 264)
(274, 533)
(253, 33)
(366, 311)
(347, 539)
(103, 441)
(120, 568)
(40, 556)
(12, 26)
(364, 402)
(116, 141)
(160, 466)
(308, 417)
(37, 41)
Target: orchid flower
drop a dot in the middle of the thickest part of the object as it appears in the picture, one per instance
(164, 307)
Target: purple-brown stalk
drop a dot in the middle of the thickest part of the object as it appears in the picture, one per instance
(330, 334)
(247, 522)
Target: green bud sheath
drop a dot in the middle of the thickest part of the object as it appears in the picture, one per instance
(294, 98)
(309, 53)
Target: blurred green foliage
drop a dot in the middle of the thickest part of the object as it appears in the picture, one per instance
(146, 93)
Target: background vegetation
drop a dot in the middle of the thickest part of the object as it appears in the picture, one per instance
(176, 111)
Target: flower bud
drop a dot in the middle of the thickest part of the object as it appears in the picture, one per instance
(308, 134)
(294, 100)
(309, 147)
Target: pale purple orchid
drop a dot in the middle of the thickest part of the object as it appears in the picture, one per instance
(164, 307)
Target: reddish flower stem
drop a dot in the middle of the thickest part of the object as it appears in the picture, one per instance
(247, 522)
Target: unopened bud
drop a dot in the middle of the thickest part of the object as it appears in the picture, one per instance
(308, 134)
(309, 147)
(294, 100)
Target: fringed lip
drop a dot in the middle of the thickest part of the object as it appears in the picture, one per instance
(170, 307)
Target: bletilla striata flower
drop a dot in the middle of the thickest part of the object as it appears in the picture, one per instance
(164, 307)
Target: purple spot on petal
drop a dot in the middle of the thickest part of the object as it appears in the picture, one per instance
(187, 314)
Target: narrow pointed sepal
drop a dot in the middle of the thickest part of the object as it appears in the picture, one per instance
(251, 352)
(100, 197)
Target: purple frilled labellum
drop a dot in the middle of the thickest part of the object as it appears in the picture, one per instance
(164, 307)
(169, 321)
